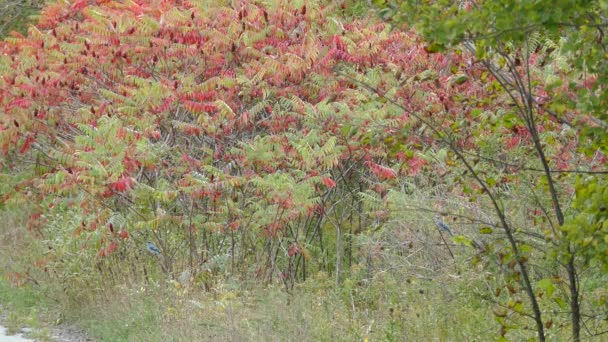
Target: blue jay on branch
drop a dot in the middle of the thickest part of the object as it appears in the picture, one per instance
(152, 248)
(441, 225)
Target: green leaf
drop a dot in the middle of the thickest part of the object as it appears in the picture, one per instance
(486, 230)
(546, 285)
(490, 181)
(434, 48)
(462, 240)
(561, 302)
(459, 79)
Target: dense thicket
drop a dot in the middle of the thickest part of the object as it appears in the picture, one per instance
(275, 140)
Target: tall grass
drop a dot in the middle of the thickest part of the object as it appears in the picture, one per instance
(392, 305)
(401, 286)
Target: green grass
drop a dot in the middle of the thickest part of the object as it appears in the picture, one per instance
(314, 311)
(25, 306)
(21, 299)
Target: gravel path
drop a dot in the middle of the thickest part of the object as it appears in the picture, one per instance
(12, 338)
(61, 333)
(66, 334)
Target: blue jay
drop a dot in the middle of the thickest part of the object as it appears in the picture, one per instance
(441, 225)
(152, 248)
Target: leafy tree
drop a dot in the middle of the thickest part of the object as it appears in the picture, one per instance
(549, 58)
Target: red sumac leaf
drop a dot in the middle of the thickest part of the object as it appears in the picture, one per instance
(79, 4)
(512, 142)
(26, 144)
(380, 171)
(416, 165)
(123, 184)
(20, 103)
(234, 226)
(293, 250)
(328, 182)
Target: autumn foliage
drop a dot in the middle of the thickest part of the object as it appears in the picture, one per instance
(190, 124)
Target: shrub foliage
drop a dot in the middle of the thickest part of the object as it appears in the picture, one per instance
(266, 139)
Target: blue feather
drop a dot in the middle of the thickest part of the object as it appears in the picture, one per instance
(153, 249)
(441, 225)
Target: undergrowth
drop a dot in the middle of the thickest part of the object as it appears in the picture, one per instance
(388, 306)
